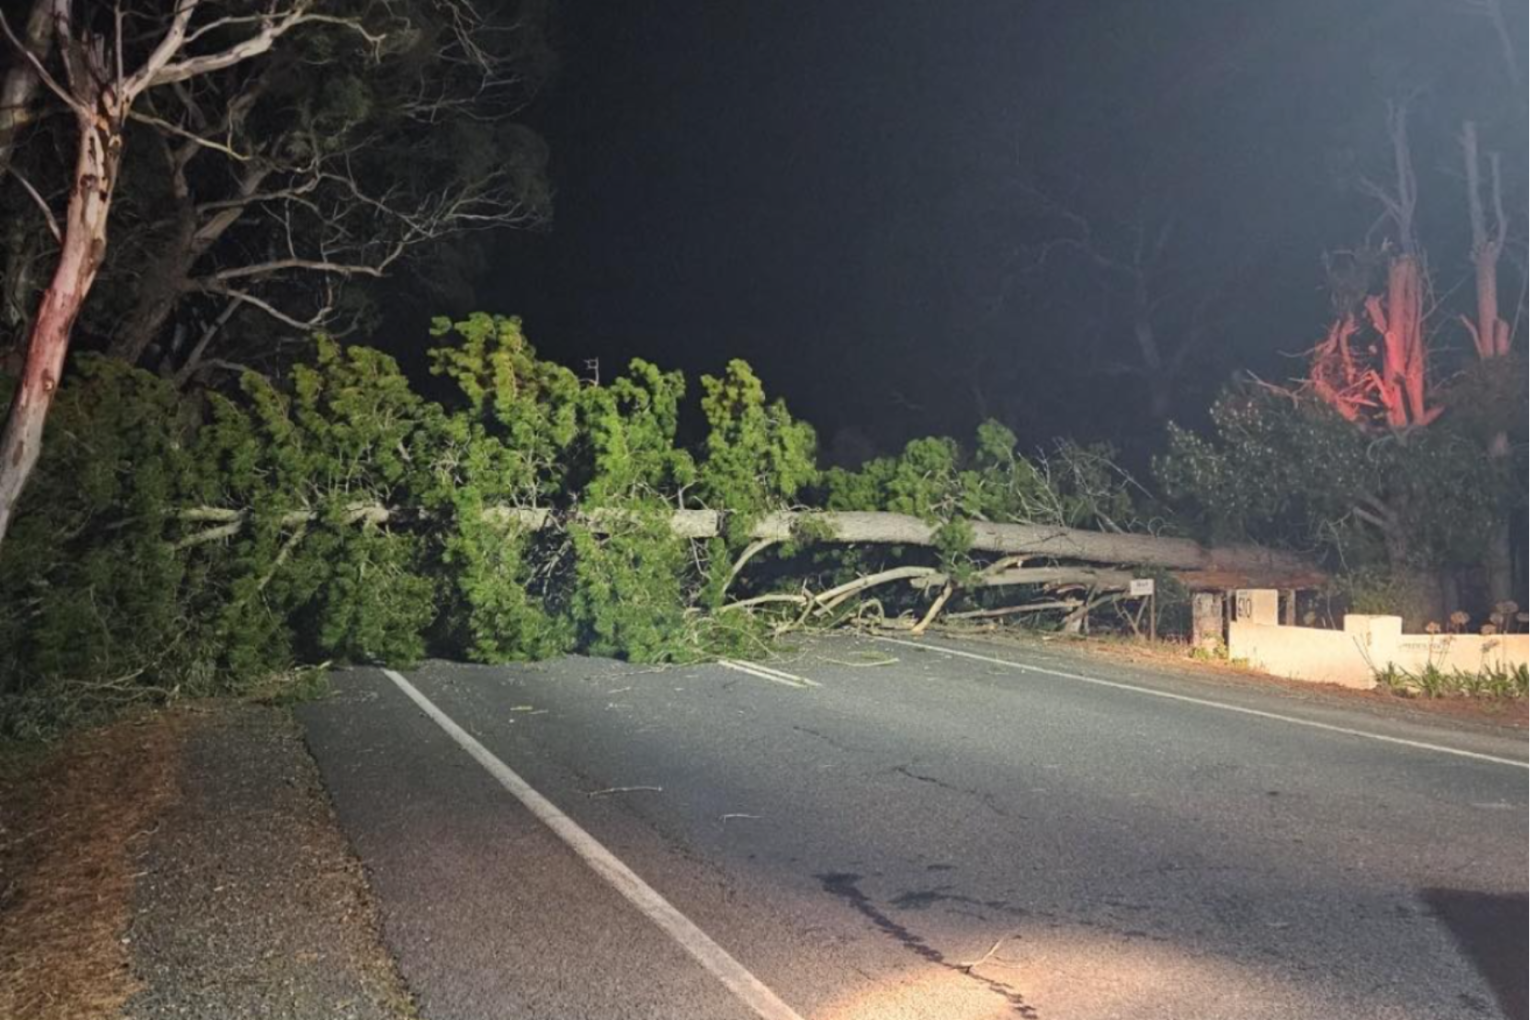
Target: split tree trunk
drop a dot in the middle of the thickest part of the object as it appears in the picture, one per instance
(84, 243)
(1400, 321)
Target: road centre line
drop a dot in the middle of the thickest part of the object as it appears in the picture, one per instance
(778, 676)
(749, 990)
(1294, 720)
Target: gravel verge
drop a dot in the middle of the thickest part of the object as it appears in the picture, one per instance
(247, 901)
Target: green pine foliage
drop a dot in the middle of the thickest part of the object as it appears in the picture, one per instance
(935, 480)
(628, 585)
(508, 446)
(758, 458)
(629, 597)
(306, 464)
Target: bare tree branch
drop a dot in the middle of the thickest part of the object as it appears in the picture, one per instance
(192, 137)
(245, 297)
(1399, 202)
(48, 217)
(314, 265)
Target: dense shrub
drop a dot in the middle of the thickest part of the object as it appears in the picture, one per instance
(1389, 509)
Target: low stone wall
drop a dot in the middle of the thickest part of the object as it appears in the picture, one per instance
(1368, 644)
(1302, 653)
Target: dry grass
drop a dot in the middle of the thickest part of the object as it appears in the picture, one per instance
(71, 821)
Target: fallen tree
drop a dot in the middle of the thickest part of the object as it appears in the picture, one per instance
(340, 515)
(1227, 566)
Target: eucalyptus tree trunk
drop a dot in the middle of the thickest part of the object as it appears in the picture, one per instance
(82, 245)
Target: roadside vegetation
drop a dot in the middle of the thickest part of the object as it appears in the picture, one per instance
(1434, 682)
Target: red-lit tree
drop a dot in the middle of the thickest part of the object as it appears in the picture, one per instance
(1373, 364)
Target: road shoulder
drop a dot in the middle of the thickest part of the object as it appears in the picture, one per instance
(182, 863)
(248, 901)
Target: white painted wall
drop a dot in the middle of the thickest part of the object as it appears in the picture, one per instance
(1366, 645)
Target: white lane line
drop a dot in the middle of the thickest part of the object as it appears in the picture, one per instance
(775, 676)
(739, 667)
(749, 989)
(755, 669)
(1294, 720)
(804, 681)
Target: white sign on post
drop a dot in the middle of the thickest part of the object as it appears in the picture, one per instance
(1140, 586)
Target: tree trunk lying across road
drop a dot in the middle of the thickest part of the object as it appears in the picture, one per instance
(1227, 566)
(1089, 577)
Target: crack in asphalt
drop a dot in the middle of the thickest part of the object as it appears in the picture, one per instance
(846, 886)
(986, 799)
(838, 745)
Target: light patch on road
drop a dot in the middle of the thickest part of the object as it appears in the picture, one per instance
(775, 676)
(1084, 975)
(920, 995)
(749, 990)
(1207, 703)
(1095, 975)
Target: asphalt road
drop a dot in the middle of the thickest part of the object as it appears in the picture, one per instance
(886, 832)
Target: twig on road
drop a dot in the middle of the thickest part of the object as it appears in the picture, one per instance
(975, 964)
(624, 789)
(889, 661)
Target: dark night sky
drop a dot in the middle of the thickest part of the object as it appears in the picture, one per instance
(830, 190)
